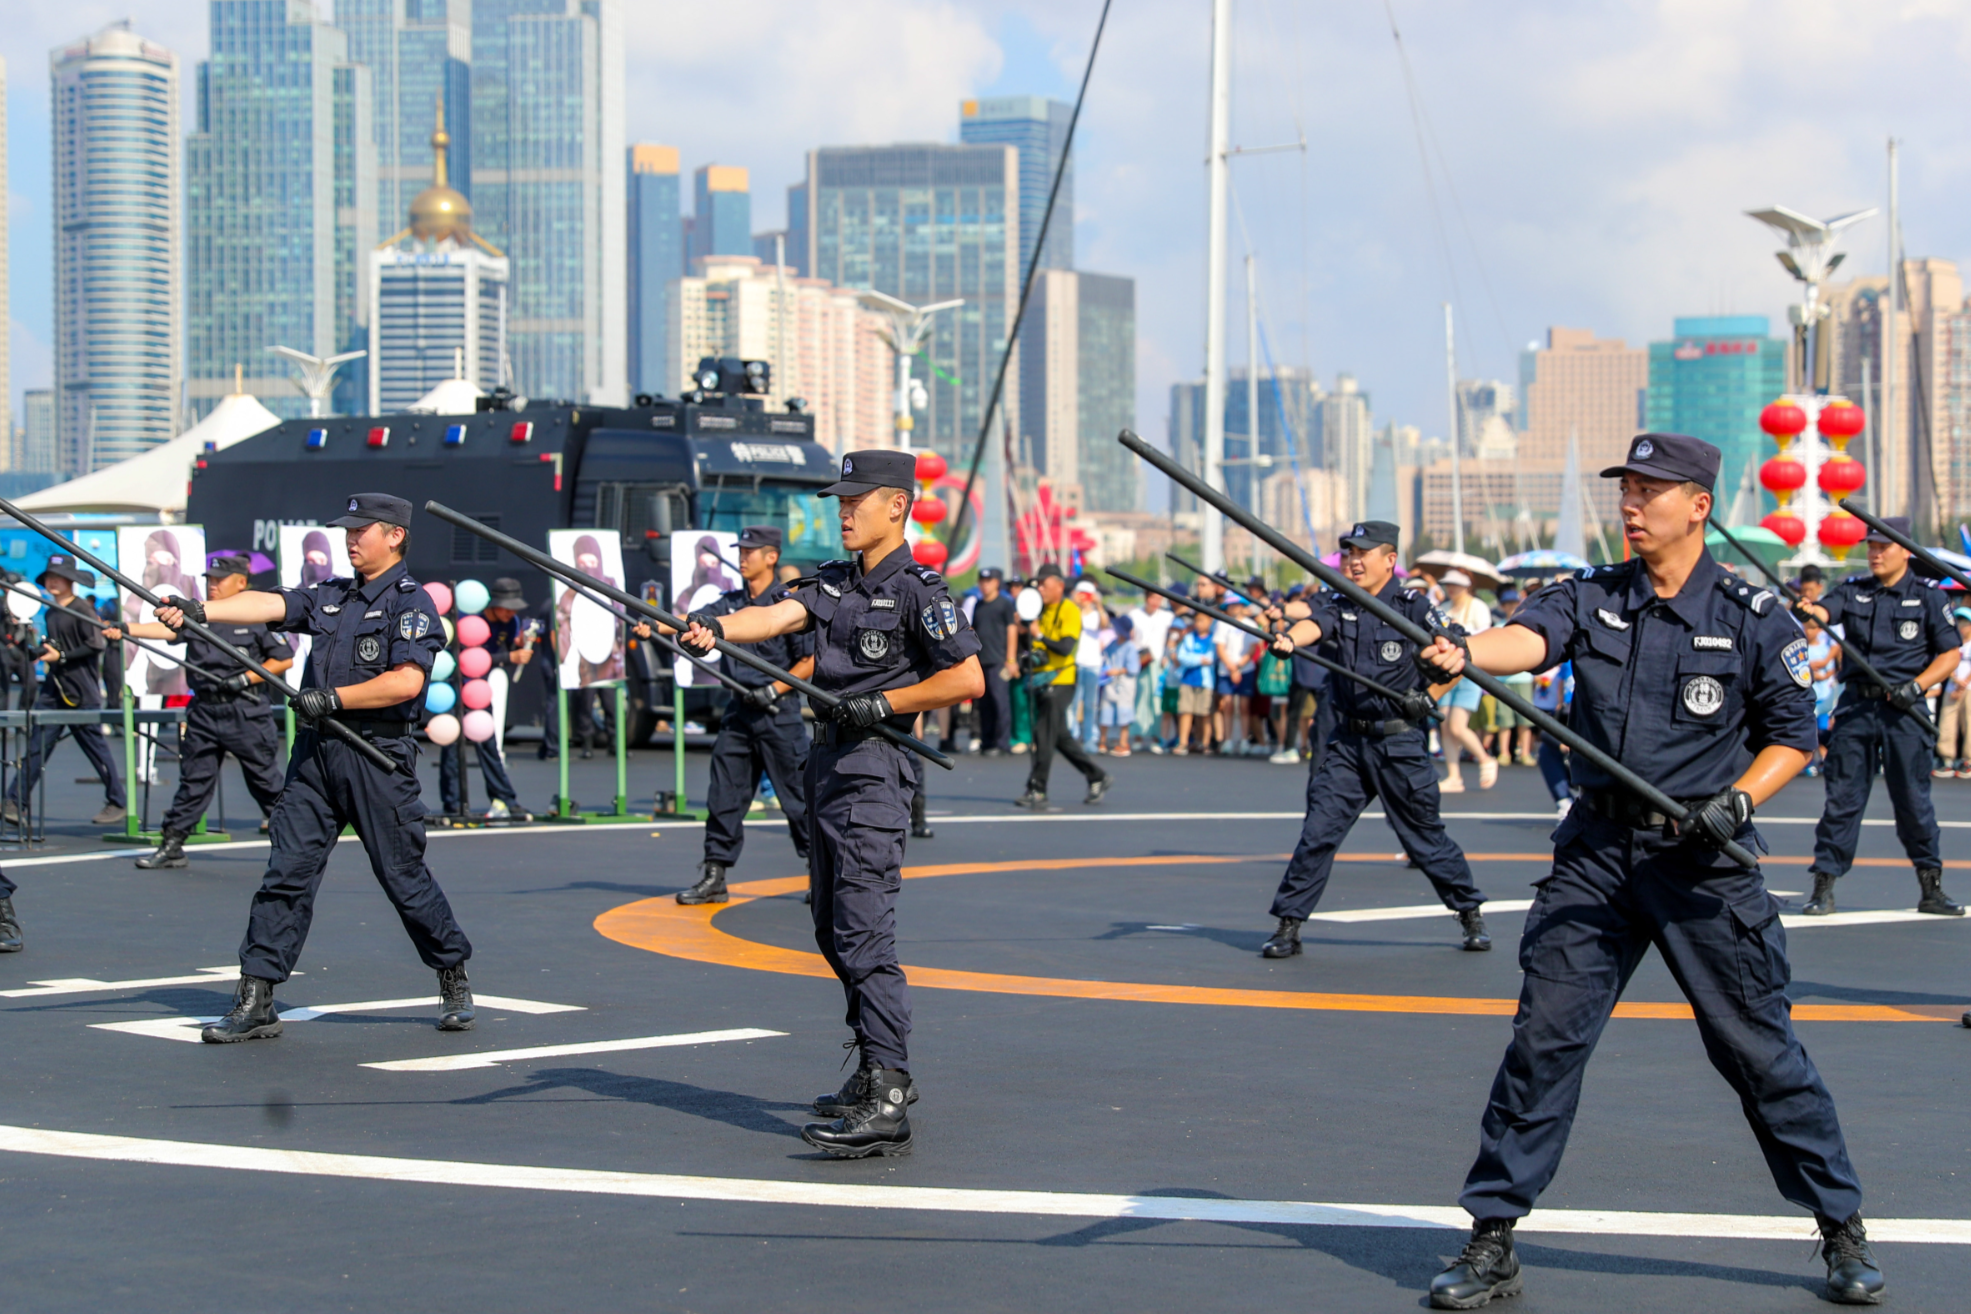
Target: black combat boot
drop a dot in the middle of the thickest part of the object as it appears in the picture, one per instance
(1930, 880)
(1033, 798)
(1487, 1268)
(170, 853)
(10, 929)
(455, 995)
(920, 828)
(1852, 1275)
(1285, 942)
(253, 1016)
(710, 887)
(1822, 902)
(1097, 788)
(841, 1103)
(879, 1124)
(1475, 938)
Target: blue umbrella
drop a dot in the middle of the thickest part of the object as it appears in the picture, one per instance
(1540, 563)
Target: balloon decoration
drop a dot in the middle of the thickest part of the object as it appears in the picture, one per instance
(443, 729)
(477, 694)
(474, 631)
(472, 597)
(451, 631)
(478, 726)
(441, 597)
(475, 663)
(442, 666)
(440, 698)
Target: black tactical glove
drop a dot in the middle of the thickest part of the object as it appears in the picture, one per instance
(1418, 705)
(860, 711)
(1716, 820)
(237, 682)
(312, 705)
(1906, 695)
(1282, 645)
(194, 609)
(1430, 671)
(708, 621)
(762, 697)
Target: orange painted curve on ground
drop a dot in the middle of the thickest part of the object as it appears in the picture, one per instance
(664, 926)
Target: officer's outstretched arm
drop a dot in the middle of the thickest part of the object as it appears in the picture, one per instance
(947, 688)
(747, 625)
(249, 608)
(1507, 650)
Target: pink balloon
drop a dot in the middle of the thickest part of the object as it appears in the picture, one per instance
(443, 730)
(474, 631)
(475, 662)
(441, 597)
(478, 726)
(476, 694)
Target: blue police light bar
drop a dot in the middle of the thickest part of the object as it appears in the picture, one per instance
(454, 435)
(317, 439)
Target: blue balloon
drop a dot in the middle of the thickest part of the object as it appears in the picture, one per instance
(442, 666)
(440, 698)
(471, 597)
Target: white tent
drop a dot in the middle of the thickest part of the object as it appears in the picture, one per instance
(452, 397)
(157, 481)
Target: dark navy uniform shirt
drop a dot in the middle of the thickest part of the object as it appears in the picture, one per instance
(255, 640)
(1683, 691)
(1362, 643)
(77, 678)
(1898, 630)
(888, 629)
(364, 629)
(783, 651)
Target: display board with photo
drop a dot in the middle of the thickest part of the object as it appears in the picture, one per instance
(698, 577)
(588, 638)
(309, 554)
(165, 559)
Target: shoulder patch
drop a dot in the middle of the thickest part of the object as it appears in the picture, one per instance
(1794, 655)
(413, 625)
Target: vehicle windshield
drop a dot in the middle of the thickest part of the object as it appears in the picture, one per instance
(808, 528)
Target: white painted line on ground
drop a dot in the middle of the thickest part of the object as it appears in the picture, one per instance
(1866, 917)
(1415, 910)
(1057, 1204)
(493, 1058)
(79, 985)
(187, 1028)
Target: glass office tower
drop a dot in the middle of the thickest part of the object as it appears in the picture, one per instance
(656, 259)
(1038, 128)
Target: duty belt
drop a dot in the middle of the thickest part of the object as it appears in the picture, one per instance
(830, 735)
(1869, 691)
(1626, 809)
(1379, 729)
(377, 727)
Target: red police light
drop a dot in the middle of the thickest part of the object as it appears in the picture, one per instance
(522, 431)
(380, 436)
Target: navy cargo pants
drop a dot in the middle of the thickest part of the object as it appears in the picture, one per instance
(214, 727)
(329, 786)
(1866, 734)
(858, 813)
(1354, 770)
(751, 741)
(1612, 894)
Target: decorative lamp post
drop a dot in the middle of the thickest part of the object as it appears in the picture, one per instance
(928, 510)
(1783, 476)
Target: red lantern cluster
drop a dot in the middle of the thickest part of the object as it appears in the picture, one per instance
(1841, 531)
(927, 510)
(1840, 420)
(1782, 475)
(1788, 528)
(1842, 476)
(1783, 419)
(929, 552)
(930, 467)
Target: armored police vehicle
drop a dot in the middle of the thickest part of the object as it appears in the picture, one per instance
(653, 473)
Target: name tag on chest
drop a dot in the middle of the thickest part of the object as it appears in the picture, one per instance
(1711, 642)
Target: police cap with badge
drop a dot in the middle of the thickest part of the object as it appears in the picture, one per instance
(374, 509)
(867, 471)
(1369, 534)
(1676, 457)
(759, 536)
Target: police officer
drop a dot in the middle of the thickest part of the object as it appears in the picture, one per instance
(229, 714)
(1901, 625)
(762, 728)
(1699, 684)
(375, 638)
(891, 643)
(72, 653)
(1378, 749)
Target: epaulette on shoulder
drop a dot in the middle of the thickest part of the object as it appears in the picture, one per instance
(1756, 601)
(405, 584)
(1859, 579)
(834, 565)
(1609, 570)
(925, 573)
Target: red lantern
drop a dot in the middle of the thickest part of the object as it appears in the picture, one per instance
(929, 552)
(1841, 531)
(1790, 530)
(1842, 476)
(927, 511)
(1782, 475)
(930, 466)
(1782, 419)
(1841, 420)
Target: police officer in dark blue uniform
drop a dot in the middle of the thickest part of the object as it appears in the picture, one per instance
(375, 638)
(1378, 749)
(762, 728)
(229, 714)
(1901, 625)
(891, 643)
(72, 655)
(1699, 684)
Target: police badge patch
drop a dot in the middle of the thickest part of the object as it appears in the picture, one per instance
(1391, 651)
(1795, 658)
(950, 614)
(368, 649)
(413, 625)
(933, 626)
(875, 644)
(1703, 696)
(1908, 630)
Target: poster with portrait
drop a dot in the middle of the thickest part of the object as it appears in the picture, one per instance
(165, 559)
(309, 554)
(698, 577)
(588, 638)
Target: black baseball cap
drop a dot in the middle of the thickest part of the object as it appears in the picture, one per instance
(1370, 533)
(1898, 523)
(62, 564)
(374, 509)
(759, 536)
(866, 471)
(227, 564)
(992, 572)
(1674, 456)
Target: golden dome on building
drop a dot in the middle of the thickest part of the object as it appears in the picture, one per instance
(439, 212)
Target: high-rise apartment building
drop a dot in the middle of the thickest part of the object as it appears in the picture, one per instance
(1585, 388)
(419, 53)
(1939, 474)
(1485, 417)
(274, 225)
(1078, 386)
(39, 452)
(722, 213)
(548, 188)
(656, 260)
(118, 325)
(1038, 129)
(1711, 380)
(1294, 426)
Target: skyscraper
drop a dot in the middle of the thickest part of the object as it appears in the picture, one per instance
(1587, 389)
(656, 260)
(1038, 129)
(548, 188)
(118, 322)
(39, 454)
(419, 52)
(1314, 434)
(1711, 381)
(6, 354)
(1078, 385)
(722, 213)
(265, 260)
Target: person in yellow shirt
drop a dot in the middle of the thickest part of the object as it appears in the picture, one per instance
(1052, 640)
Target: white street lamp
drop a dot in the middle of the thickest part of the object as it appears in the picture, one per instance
(315, 375)
(906, 331)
